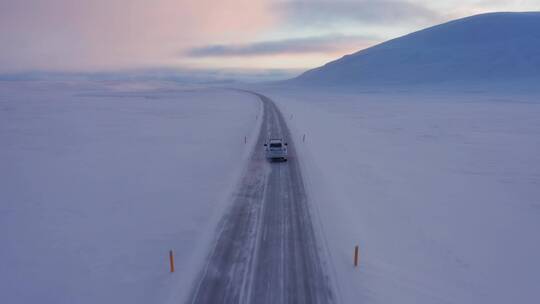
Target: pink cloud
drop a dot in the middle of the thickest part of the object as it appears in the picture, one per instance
(111, 34)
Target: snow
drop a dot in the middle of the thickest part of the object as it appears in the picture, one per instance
(440, 190)
(487, 48)
(423, 150)
(100, 179)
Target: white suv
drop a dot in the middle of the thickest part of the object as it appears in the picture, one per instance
(276, 149)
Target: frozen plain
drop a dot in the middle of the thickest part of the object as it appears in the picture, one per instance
(100, 179)
(440, 187)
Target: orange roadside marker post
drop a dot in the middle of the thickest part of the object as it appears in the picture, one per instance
(356, 256)
(171, 260)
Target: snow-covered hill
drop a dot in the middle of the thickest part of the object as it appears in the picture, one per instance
(495, 47)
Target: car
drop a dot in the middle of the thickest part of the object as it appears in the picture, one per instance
(276, 149)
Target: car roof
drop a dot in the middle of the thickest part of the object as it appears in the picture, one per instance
(275, 140)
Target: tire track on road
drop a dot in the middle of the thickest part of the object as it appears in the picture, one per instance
(266, 249)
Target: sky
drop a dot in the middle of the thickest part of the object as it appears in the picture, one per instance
(225, 35)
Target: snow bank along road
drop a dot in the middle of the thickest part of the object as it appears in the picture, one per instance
(266, 250)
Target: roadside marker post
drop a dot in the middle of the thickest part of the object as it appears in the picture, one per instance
(171, 260)
(356, 256)
(304, 138)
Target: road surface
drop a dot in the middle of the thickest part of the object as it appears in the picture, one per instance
(266, 250)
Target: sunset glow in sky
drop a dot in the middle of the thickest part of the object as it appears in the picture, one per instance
(106, 35)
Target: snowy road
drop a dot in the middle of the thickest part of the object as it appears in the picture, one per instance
(266, 249)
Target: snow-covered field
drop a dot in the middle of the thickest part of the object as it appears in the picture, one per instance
(99, 180)
(440, 190)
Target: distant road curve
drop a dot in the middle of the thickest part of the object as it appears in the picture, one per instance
(266, 250)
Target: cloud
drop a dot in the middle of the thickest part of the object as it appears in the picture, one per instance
(321, 44)
(381, 12)
(110, 34)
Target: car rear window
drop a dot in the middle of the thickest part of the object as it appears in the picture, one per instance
(275, 145)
